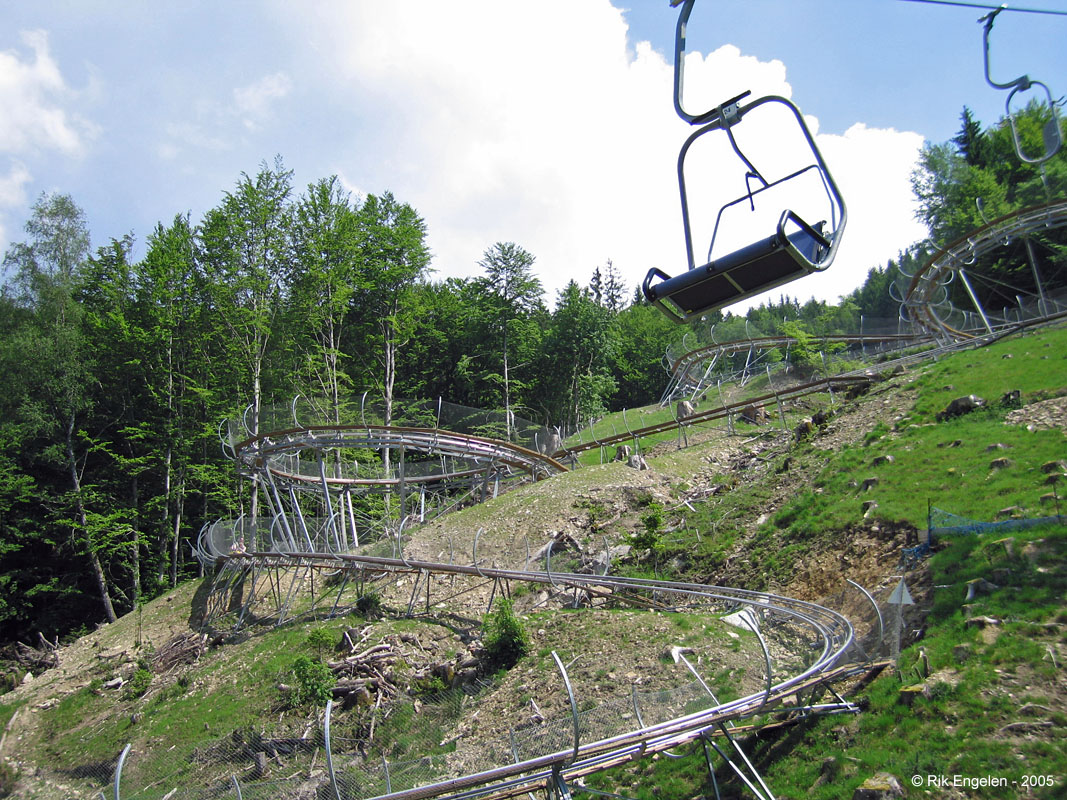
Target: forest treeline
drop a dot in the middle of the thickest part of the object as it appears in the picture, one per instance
(118, 372)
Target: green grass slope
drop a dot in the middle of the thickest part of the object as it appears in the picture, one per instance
(758, 509)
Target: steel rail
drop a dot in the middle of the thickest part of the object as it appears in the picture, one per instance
(687, 360)
(264, 452)
(829, 627)
(965, 250)
(823, 384)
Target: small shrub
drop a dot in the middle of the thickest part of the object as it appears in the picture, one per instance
(429, 687)
(320, 640)
(649, 538)
(139, 683)
(875, 433)
(597, 512)
(503, 635)
(653, 518)
(941, 691)
(314, 680)
(8, 681)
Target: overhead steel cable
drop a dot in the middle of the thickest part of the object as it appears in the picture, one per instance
(1002, 7)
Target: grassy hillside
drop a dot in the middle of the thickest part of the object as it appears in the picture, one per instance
(769, 506)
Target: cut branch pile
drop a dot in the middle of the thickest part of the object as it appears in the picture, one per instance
(35, 659)
(398, 662)
(185, 648)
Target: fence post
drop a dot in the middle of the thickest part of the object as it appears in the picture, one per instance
(729, 413)
(637, 445)
(753, 625)
(877, 613)
(574, 705)
(826, 374)
(118, 770)
(777, 399)
(329, 751)
(474, 554)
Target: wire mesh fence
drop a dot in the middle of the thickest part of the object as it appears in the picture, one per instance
(250, 762)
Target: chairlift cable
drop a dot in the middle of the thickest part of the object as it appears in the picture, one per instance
(1002, 7)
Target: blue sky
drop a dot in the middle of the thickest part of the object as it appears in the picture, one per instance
(544, 122)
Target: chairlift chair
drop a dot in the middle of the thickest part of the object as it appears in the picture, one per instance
(794, 249)
(1051, 134)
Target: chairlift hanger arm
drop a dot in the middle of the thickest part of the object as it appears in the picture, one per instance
(1023, 82)
(750, 196)
(679, 59)
(727, 111)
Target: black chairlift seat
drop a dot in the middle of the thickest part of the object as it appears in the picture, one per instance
(783, 256)
(753, 269)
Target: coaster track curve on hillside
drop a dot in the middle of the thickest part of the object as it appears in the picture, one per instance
(829, 634)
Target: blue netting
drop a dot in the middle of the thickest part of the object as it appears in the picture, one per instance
(945, 523)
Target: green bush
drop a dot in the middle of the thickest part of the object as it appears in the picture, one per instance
(503, 635)
(649, 538)
(138, 684)
(320, 640)
(314, 680)
(429, 687)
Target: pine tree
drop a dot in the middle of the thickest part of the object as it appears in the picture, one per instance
(969, 141)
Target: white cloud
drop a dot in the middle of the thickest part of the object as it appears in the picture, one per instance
(34, 121)
(254, 102)
(12, 186)
(12, 194)
(357, 192)
(31, 96)
(873, 168)
(191, 134)
(534, 122)
(209, 125)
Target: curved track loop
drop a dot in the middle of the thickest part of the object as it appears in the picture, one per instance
(267, 452)
(923, 290)
(827, 634)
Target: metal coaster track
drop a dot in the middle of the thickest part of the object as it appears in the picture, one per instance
(829, 637)
(723, 411)
(928, 283)
(689, 371)
(261, 452)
